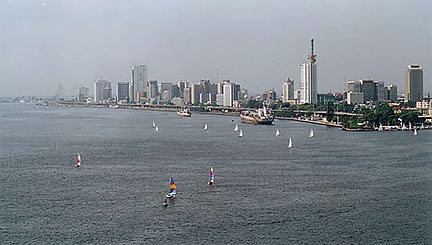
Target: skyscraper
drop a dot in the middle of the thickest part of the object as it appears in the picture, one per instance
(287, 90)
(153, 89)
(228, 93)
(391, 93)
(308, 79)
(414, 83)
(122, 91)
(368, 87)
(82, 94)
(102, 91)
(139, 80)
(195, 94)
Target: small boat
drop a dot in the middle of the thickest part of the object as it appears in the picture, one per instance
(184, 112)
(78, 161)
(404, 127)
(409, 126)
(380, 127)
(277, 132)
(241, 133)
(415, 131)
(154, 125)
(205, 127)
(156, 129)
(290, 145)
(236, 128)
(165, 203)
(211, 177)
(171, 189)
(311, 134)
(422, 126)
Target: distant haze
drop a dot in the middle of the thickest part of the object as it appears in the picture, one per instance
(52, 44)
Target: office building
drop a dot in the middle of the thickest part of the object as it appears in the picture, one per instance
(391, 93)
(354, 86)
(287, 90)
(123, 91)
(380, 91)
(153, 89)
(187, 96)
(195, 94)
(83, 93)
(308, 79)
(101, 91)
(182, 85)
(355, 98)
(414, 83)
(368, 87)
(139, 80)
(228, 93)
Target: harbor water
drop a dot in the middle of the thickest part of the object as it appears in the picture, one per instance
(338, 187)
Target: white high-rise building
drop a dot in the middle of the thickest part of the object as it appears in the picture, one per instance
(139, 80)
(288, 90)
(414, 83)
(308, 79)
(228, 93)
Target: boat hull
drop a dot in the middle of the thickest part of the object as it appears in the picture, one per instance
(183, 114)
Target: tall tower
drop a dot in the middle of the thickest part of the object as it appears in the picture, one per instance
(308, 79)
(139, 80)
(414, 83)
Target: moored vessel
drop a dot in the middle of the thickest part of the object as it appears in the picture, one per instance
(260, 116)
(184, 112)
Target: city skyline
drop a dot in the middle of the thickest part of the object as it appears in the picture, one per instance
(67, 45)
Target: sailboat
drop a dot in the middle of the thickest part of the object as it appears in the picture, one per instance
(277, 132)
(415, 131)
(153, 125)
(404, 127)
(311, 134)
(236, 128)
(211, 177)
(290, 145)
(241, 133)
(156, 129)
(171, 189)
(410, 127)
(78, 161)
(422, 126)
(380, 127)
(165, 203)
(205, 127)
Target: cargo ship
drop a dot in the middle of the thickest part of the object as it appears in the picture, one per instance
(260, 116)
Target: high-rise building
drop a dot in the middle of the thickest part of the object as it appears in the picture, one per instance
(83, 94)
(269, 95)
(368, 87)
(122, 91)
(380, 91)
(102, 91)
(308, 79)
(228, 93)
(414, 83)
(219, 87)
(187, 96)
(237, 90)
(153, 89)
(391, 93)
(195, 94)
(139, 80)
(354, 86)
(182, 85)
(287, 90)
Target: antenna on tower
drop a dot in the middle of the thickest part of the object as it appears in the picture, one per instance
(312, 56)
(217, 75)
(312, 47)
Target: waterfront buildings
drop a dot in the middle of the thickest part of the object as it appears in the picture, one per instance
(187, 96)
(269, 95)
(195, 94)
(83, 93)
(391, 93)
(288, 90)
(153, 89)
(354, 86)
(123, 91)
(139, 80)
(102, 91)
(355, 98)
(308, 79)
(413, 83)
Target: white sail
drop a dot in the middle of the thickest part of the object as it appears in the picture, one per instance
(415, 131)
(236, 128)
(380, 127)
(409, 127)
(153, 124)
(156, 129)
(205, 127)
(241, 133)
(404, 127)
(311, 134)
(277, 132)
(290, 145)
(422, 126)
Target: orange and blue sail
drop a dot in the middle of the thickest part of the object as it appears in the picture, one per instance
(172, 187)
(211, 175)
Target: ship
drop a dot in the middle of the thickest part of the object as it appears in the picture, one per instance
(260, 116)
(184, 112)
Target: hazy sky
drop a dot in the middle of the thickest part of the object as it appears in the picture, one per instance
(256, 43)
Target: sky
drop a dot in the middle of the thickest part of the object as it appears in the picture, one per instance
(53, 46)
